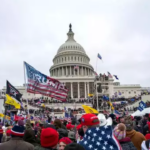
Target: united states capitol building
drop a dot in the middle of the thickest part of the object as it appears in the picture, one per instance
(71, 65)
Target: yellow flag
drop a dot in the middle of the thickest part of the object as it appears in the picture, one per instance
(89, 110)
(1, 115)
(11, 101)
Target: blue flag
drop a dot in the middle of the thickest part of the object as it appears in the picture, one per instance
(142, 106)
(99, 56)
(116, 77)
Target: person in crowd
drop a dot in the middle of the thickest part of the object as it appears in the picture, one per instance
(79, 133)
(74, 146)
(120, 134)
(1, 133)
(63, 142)
(147, 136)
(49, 139)
(70, 127)
(57, 124)
(113, 117)
(121, 119)
(6, 135)
(145, 145)
(16, 142)
(136, 137)
(29, 136)
(88, 121)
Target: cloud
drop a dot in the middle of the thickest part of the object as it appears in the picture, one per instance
(32, 31)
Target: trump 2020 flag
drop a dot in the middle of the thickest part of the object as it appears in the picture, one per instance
(100, 138)
(13, 96)
(38, 83)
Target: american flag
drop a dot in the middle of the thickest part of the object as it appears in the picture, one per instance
(76, 67)
(100, 138)
(39, 83)
(110, 76)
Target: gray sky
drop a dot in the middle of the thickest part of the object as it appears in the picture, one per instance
(33, 30)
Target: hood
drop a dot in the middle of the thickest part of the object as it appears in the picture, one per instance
(130, 133)
(29, 136)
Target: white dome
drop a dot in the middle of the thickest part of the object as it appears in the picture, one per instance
(70, 44)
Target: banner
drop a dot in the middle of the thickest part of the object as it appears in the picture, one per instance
(12, 96)
(142, 106)
(38, 83)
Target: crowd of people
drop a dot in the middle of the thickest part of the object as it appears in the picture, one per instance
(91, 131)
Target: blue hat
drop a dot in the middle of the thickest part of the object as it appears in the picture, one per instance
(18, 131)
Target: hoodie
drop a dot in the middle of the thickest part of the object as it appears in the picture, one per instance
(136, 137)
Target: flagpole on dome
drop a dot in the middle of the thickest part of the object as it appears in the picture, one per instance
(25, 85)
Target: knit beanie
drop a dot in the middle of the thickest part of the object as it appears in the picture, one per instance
(65, 140)
(120, 131)
(49, 137)
(74, 146)
(17, 131)
(128, 123)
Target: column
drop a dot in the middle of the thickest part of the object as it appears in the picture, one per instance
(58, 72)
(89, 72)
(70, 71)
(85, 71)
(62, 71)
(82, 70)
(71, 91)
(88, 88)
(66, 71)
(79, 90)
(78, 70)
(85, 89)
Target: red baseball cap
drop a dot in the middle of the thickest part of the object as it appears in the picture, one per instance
(78, 126)
(89, 120)
(69, 126)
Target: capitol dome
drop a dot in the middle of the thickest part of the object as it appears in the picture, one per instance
(71, 60)
(70, 44)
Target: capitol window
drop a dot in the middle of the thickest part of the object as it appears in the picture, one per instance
(129, 92)
(62, 59)
(134, 92)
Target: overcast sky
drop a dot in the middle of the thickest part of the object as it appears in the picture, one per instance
(33, 30)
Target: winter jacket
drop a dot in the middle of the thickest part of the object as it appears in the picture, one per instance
(42, 148)
(126, 144)
(136, 137)
(16, 143)
(29, 136)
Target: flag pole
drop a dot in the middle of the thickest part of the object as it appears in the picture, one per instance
(96, 64)
(25, 85)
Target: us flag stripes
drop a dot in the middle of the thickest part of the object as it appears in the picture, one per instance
(38, 83)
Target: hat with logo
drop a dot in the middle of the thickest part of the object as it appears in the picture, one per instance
(89, 120)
